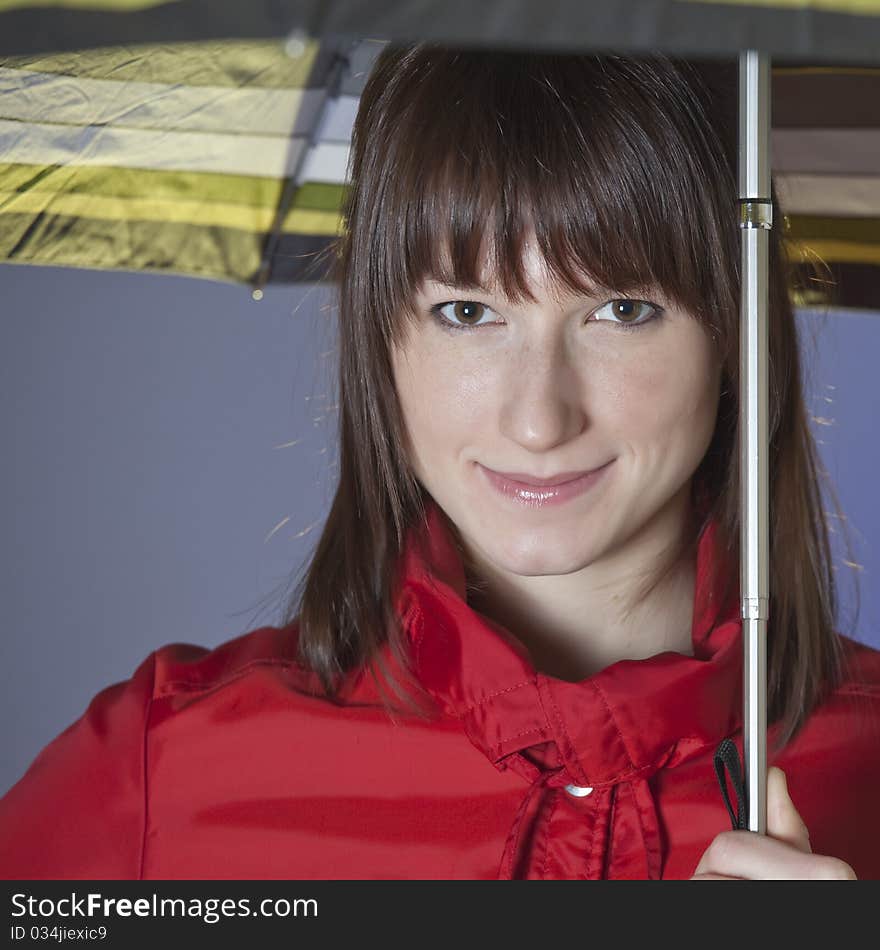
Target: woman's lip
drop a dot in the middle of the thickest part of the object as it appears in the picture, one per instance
(525, 479)
(541, 495)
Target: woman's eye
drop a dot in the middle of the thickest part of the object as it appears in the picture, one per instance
(470, 314)
(461, 314)
(626, 312)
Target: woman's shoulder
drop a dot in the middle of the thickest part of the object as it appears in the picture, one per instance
(182, 668)
(92, 779)
(861, 672)
(833, 764)
(841, 736)
(850, 711)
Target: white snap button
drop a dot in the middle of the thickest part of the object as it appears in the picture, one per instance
(579, 791)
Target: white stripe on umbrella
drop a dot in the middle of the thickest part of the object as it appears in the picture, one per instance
(262, 156)
(830, 195)
(33, 96)
(70, 100)
(835, 151)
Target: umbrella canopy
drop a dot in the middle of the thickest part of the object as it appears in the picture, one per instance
(824, 30)
(175, 159)
(223, 157)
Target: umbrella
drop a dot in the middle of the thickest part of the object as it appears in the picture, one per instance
(211, 138)
(164, 139)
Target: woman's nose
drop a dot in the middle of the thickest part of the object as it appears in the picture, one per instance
(543, 404)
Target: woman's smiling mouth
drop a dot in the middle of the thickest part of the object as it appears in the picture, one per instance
(536, 492)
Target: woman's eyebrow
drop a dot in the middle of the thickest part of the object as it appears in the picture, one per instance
(440, 285)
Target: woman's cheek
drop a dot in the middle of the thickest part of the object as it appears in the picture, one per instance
(444, 402)
(639, 398)
(465, 388)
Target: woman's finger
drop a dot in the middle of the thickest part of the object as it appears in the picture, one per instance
(745, 854)
(783, 820)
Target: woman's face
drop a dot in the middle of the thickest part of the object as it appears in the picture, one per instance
(557, 386)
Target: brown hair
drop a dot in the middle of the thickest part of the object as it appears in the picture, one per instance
(625, 170)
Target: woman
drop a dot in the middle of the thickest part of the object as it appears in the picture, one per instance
(517, 645)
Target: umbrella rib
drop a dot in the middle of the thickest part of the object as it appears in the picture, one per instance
(291, 183)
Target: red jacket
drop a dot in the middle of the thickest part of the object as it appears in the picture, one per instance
(223, 764)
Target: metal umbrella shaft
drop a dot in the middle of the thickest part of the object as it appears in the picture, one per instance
(756, 219)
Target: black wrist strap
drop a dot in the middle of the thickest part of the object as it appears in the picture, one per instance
(727, 757)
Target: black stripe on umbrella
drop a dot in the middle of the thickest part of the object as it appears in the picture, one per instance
(823, 31)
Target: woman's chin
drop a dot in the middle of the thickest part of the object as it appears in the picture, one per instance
(537, 554)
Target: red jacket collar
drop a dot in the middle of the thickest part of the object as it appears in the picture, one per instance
(629, 719)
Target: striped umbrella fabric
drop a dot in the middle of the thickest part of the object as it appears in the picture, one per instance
(826, 157)
(226, 158)
(182, 159)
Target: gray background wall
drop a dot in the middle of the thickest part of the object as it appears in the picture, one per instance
(145, 424)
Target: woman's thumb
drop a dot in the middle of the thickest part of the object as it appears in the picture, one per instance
(783, 820)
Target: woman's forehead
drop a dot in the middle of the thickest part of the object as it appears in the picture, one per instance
(537, 274)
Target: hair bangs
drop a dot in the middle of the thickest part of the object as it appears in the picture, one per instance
(591, 158)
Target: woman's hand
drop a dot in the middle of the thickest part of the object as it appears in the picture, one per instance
(783, 854)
